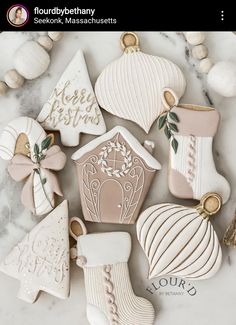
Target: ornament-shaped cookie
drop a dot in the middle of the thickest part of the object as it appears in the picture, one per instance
(114, 174)
(41, 260)
(72, 107)
(33, 159)
(131, 86)
(181, 241)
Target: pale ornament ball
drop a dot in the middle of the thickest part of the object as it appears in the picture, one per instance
(46, 42)
(222, 78)
(205, 65)
(3, 88)
(31, 60)
(199, 52)
(55, 36)
(195, 38)
(13, 79)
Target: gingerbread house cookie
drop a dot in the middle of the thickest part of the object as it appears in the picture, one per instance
(114, 173)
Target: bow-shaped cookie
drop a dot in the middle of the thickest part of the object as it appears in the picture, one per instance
(22, 167)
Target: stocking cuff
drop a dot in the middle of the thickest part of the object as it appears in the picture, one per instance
(197, 120)
(103, 249)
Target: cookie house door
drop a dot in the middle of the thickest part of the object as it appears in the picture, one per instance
(111, 201)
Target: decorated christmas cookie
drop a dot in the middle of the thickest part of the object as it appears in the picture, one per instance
(41, 260)
(33, 159)
(110, 296)
(181, 241)
(114, 175)
(72, 107)
(131, 86)
(190, 129)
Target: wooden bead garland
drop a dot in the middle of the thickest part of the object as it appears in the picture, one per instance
(13, 79)
(195, 38)
(46, 42)
(221, 77)
(31, 61)
(3, 88)
(199, 52)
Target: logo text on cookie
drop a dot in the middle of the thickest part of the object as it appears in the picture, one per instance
(171, 286)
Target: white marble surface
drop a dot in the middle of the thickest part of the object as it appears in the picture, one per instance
(214, 302)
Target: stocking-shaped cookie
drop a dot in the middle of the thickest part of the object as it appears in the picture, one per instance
(110, 296)
(131, 86)
(191, 129)
(41, 260)
(181, 241)
(33, 159)
(72, 107)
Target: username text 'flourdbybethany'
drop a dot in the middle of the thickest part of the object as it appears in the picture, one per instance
(64, 11)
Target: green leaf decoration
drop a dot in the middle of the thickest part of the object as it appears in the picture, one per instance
(173, 127)
(174, 144)
(46, 143)
(162, 121)
(36, 149)
(174, 116)
(167, 132)
(44, 181)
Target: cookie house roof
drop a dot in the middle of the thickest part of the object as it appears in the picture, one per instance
(132, 141)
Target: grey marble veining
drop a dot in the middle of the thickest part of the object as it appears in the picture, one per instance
(215, 298)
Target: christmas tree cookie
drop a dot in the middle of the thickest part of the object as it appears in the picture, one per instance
(72, 107)
(41, 260)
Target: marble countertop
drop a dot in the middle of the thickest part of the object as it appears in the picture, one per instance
(214, 301)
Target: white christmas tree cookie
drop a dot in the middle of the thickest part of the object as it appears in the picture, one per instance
(72, 107)
(41, 260)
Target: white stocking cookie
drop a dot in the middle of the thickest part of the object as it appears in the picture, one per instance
(110, 296)
(32, 159)
(72, 107)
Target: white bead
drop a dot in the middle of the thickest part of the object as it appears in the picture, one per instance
(3, 88)
(45, 42)
(199, 52)
(73, 253)
(195, 38)
(55, 36)
(205, 65)
(13, 79)
(222, 78)
(31, 60)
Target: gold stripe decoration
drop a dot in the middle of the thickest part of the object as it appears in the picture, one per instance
(181, 241)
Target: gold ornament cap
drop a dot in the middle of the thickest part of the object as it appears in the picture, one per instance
(210, 204)
(129, 42)
(169, 98)
(77, 228)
